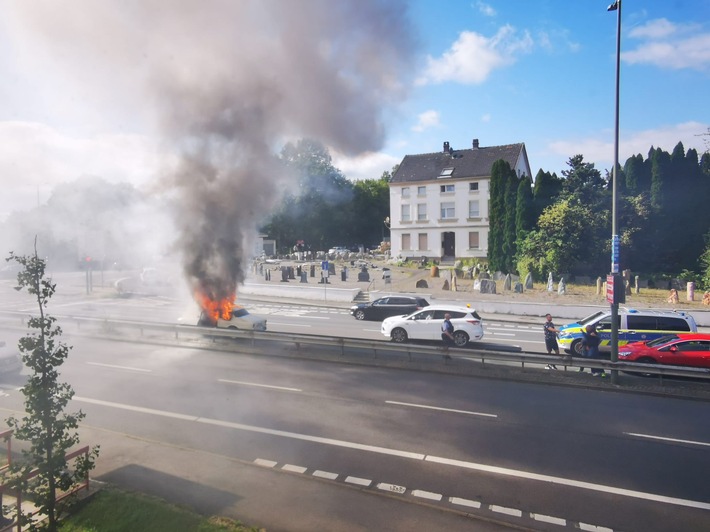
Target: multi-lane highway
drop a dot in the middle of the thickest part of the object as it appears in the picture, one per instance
(535, 456)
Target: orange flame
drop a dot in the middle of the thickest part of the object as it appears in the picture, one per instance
(215, 309)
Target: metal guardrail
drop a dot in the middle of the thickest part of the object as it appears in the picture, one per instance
(378, 347)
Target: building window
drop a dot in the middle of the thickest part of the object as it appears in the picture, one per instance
(405, 213)
(473, 210)
(447, 188)
(423, 243)
(473, 240)
(421, 212)
(406, 242)
(421, 191)
(473, 187)
(448, 210)
(405, 192)
(447, 172)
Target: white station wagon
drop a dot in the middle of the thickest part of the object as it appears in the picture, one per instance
(425, 324)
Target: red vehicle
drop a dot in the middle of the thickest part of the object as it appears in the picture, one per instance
(682, 349)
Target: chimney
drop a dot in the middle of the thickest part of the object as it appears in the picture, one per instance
(446, 147)
(475, 144)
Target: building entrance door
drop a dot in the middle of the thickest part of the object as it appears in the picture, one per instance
(449, 245)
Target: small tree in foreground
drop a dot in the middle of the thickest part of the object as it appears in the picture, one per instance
(46, 427)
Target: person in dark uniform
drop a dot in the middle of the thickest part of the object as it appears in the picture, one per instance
(551, 339)
(447, 330)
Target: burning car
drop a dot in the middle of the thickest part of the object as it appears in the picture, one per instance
(238, 318)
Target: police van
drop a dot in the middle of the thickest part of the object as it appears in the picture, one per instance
(634, 326)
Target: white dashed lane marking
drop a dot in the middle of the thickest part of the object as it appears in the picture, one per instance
(436, 497)
(671, 440)
(442, 409)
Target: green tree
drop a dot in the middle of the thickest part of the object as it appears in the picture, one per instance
(371, 205)
(583, 181)
(525, 208)
(705, 264)
(567, 240)
(546, 190)
(510, 234)
(49, 430)
(635, 174)
(500, 173)
(319, 208)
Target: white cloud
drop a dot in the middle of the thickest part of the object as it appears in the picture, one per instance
(427, 119)
(486, 9)
(600, 149)
(473, 57)
(654, 29)
(670, 46)
(366, 166)
(36, 157)
(486, 118)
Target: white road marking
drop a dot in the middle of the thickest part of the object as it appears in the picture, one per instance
(505, 510)
(129, 368)
(442, 409)
(594, 528)
(264, 463)
(570, 482)
(394, 488)
(325, 474)
(515, 473)
(294, 468)
(661, 438)
(501, 334)
(427, 495)
(283, 388)
(287, 324)
(358, 481)
(549, 519)
(464, 502)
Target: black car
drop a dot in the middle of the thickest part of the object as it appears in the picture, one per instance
(385, 307)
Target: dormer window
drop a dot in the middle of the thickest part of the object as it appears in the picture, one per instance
(446, 172)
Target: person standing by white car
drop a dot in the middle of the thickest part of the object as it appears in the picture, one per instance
(447, 330)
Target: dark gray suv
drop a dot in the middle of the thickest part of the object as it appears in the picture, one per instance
(385, 307)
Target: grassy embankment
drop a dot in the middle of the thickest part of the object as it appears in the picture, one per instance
(112, 510)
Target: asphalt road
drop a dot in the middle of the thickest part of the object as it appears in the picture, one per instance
(302, 445)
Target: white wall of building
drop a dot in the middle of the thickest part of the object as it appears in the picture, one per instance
(417, 225)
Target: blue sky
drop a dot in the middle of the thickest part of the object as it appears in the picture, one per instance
(540, 72)
(543, 73)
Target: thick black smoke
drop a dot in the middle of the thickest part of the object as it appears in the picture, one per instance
(229, 82)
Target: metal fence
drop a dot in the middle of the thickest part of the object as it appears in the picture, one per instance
(380, 348)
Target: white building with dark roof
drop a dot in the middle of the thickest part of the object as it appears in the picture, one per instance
(439, 201)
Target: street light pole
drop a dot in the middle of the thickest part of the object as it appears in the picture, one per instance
(616, 278)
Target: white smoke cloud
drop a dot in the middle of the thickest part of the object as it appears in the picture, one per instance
(225, 82)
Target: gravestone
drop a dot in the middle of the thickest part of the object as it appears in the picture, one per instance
(445, 285)
(550, 284)
(528, 281)
(488, 286)
(507, 282)
(518, 287)
(562, 287)
(421, 283)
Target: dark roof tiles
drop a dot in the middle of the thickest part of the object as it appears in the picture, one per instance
(466, 163)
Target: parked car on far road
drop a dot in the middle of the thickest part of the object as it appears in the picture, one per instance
(682, 349)
(385, 307)
(426, 325)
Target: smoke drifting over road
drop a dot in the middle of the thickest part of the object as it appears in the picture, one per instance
(229, 82)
